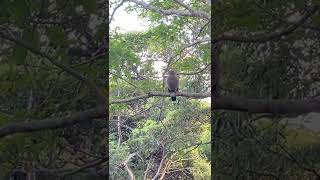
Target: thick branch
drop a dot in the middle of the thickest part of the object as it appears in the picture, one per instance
(243, 104)
(266, 106)
(162, 94)
(223, 102)
(53, 123)
(268, 36)
(169, 12)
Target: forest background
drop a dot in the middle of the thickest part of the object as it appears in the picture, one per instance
(257, 59)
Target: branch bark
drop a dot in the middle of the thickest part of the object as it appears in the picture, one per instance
(236, 103)
(216, 69)
(223, 102)
(168, 12)
(147, 170)
(164, 155)
(184, 5)
(268, 36)
(161, 94)
(119, 130)
(266, 106)
(53, 123)
(125, 163)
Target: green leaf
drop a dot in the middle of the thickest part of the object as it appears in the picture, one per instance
(102, 32)
(18, 55)
(316, 2)
(90, 6)
(4, 11)
(19, 9)
(32, 37)
(5, 118)
(57, 36)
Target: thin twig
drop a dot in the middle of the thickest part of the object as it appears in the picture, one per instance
(115, 9)
(69, 70)
(164, 155)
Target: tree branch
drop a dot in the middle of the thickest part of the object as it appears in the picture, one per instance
(169, 12)
(114, 10)
(162, 94)
(307, 26)
(119, 130)
(242, 104)
(223, 102)
(171, 59)
(125, 163)
(206, 1)
(184, 5)
(86, 166)
(53, 123)
(147, 170)
(216, 68)
(262, 173)
(267, 36)
(118, 76)
(65, 68)
(196, 72)
(266, 106)
(164, 155)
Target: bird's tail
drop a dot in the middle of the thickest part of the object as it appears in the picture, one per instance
(173, 96)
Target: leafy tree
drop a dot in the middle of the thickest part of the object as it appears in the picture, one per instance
(153, 137)
(52, 75)
(265, 70)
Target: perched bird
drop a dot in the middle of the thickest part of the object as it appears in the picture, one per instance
(173, 84)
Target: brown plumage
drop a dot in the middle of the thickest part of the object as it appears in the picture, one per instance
(173, 84)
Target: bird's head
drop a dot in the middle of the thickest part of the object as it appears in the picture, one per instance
(171, 72)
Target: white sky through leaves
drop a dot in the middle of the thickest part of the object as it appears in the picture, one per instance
(130, 22)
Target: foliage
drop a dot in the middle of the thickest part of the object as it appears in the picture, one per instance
(33, 88)
(176, 134)
(262, 146)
